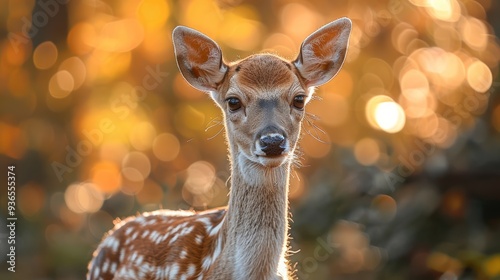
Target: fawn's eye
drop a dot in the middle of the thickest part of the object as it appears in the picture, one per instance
(299, 102)
(233, 103)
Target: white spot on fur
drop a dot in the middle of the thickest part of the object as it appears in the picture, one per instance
(122, 255)
(187, 230)
(190, 270)
(129, 230)
(105, 266)
(176, 228)
(161, 238)
(154, 236)
(174, 271)
(206, 222)
(173, 239)
(145, 233)
(209, 259)
(128, 241)
(126, 273)
(166, 271)
(111, 242)
(139, 260)
(183, 254)
(216, 229)
(96, 271)
(207, 262)
(141, 219)
(133, 257)
(113, 268)
(198, 239)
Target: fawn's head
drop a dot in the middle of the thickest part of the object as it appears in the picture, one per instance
(262, 96)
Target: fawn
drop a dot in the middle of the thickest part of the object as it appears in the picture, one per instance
(262, 98)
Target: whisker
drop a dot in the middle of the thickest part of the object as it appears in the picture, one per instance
(298, 157)
(316, 130)
(316, 97)
(216, 134)
(295, 174)
(213, 123)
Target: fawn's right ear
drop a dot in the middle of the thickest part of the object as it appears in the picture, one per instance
(199, 58)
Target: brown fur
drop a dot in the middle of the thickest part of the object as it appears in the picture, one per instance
(249, 239)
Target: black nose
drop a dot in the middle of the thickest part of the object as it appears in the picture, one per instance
(272, 144)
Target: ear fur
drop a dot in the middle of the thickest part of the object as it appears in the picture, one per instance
(199, 58)
(323, 52)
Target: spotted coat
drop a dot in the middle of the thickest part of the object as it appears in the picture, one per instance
(179, 245)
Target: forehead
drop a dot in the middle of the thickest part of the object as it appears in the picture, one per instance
(264, 73)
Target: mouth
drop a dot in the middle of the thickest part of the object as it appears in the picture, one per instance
(272, 161)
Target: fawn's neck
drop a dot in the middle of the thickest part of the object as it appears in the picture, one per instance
(256, 223)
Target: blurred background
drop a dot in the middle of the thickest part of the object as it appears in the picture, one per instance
(400, 158)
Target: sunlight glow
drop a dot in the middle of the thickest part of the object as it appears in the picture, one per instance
(83, 198)
(45, 55)
(390, 117)
(367, 151)
(61, 84)
(446, 10)
(479, 76)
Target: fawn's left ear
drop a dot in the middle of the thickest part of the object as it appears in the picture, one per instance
(323, 52)
(199, 58)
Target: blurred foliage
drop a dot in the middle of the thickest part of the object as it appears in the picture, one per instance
(399, 175)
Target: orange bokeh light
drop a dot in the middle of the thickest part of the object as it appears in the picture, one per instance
(106, 176)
